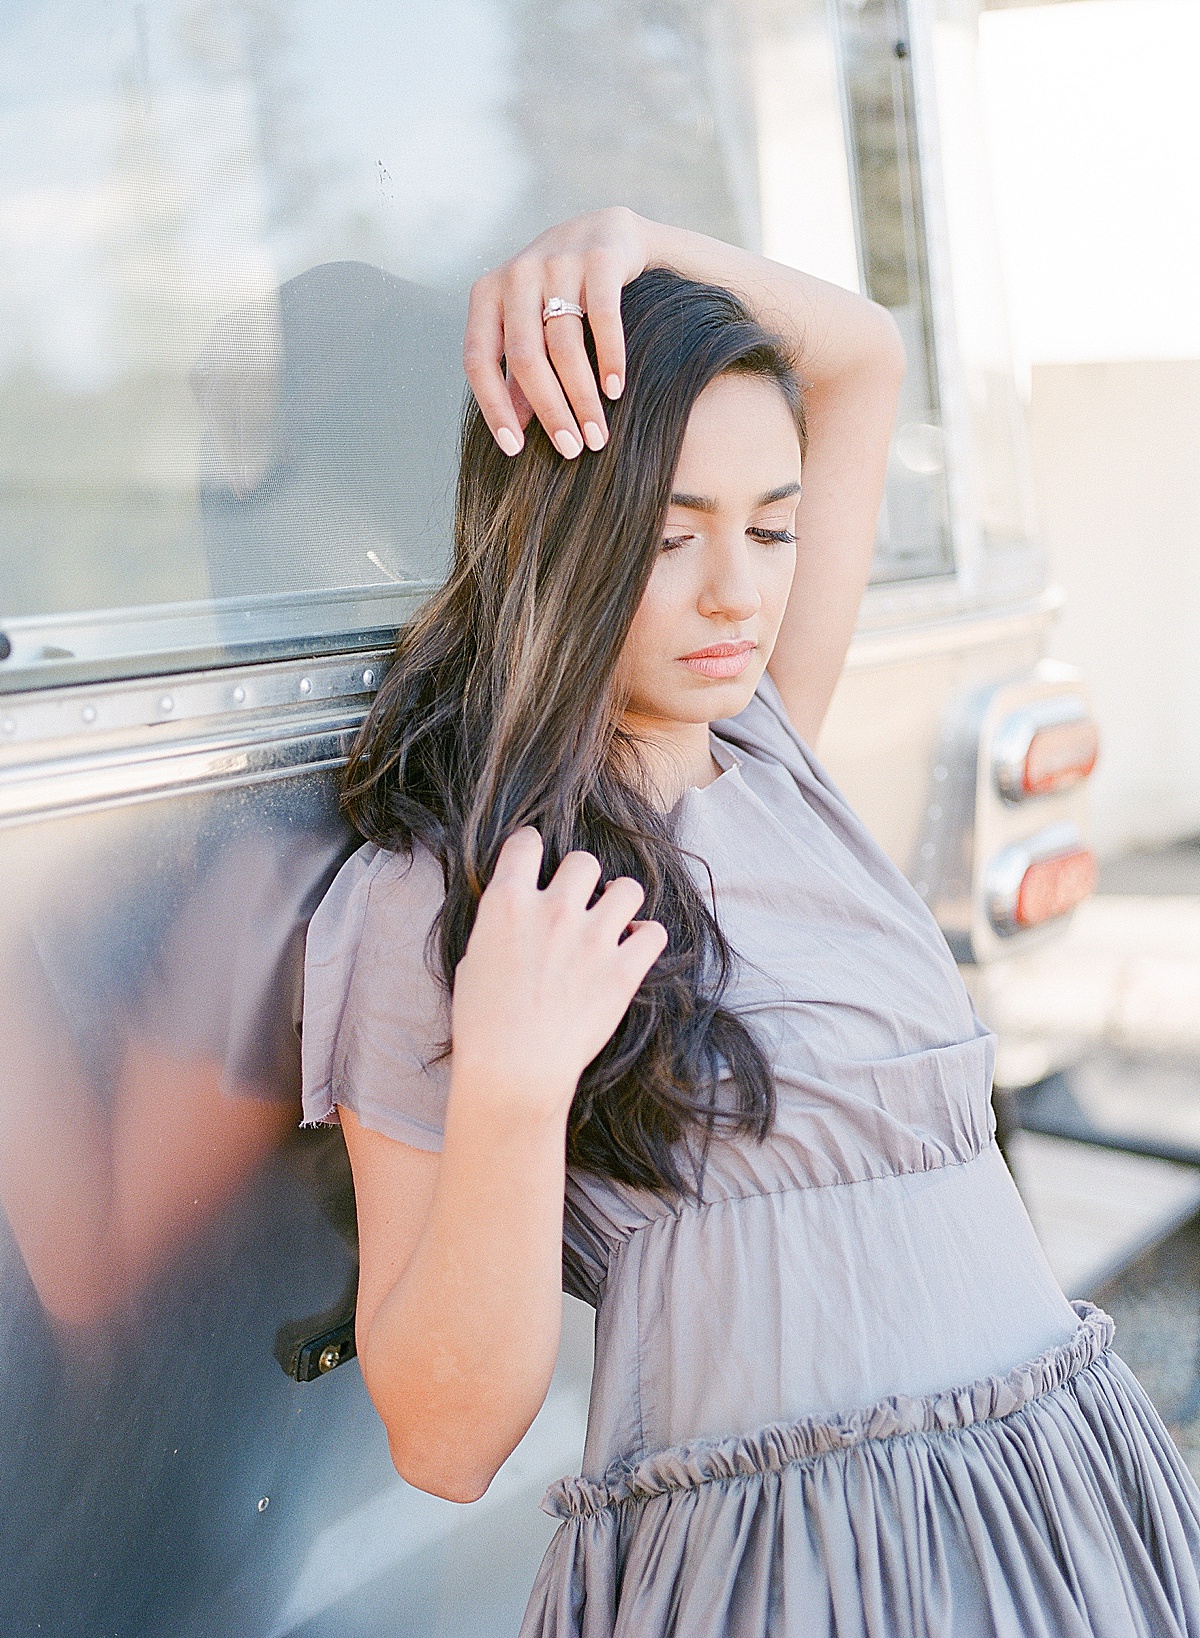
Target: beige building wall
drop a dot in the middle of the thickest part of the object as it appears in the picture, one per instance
(1116, 455)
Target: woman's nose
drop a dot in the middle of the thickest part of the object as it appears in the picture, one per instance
(731, 590)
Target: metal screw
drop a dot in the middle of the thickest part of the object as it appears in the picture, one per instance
(166, 703)
(89, 713)
(329, 1357)
(941, 772)
(927, 850)
(239, 695)
(368, 679)
(263, 1503)
(5, 647)
(305, 685)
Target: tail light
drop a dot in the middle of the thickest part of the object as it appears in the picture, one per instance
(1047, 746)
(1040, 879)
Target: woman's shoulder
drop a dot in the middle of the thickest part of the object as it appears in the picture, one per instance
(376, 894)
(374, 1000)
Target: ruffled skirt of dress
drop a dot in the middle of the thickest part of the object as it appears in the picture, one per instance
(1048, 1503)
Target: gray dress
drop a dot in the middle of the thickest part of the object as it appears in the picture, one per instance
(843, 1394)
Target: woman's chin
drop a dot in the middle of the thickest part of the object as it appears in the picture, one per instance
(722, 696)
(709, 699)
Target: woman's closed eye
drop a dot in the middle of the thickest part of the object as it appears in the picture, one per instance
(775, 537)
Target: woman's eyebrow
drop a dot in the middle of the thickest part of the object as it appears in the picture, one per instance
(784, 492)
(705, 503)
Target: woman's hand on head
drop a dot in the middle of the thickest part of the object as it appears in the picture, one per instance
(545, 980)
(587, 261)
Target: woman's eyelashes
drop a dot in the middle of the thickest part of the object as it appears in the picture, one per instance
(774, 537)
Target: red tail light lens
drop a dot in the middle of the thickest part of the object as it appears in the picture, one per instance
(1047, 746)
(1051, 887)
(1060, 756)
(1040, 879)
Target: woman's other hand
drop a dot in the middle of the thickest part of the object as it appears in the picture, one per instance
(545, 980)
(587, 261)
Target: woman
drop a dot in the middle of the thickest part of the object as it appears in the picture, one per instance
(837, 1389)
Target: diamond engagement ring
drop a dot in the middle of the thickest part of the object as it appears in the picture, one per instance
(556, 307)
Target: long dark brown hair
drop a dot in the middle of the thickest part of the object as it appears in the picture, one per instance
(501, 709)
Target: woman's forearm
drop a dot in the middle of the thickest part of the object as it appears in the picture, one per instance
(459, 1353)
(835, 333)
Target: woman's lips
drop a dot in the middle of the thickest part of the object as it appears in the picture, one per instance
(720, 659)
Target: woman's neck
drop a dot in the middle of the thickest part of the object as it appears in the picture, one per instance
(674, 755)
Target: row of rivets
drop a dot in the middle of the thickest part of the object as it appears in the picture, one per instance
(166, 704)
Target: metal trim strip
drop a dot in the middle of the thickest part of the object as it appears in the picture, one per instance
(93, 718)
(75, 784)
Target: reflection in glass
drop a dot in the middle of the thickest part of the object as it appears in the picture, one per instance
(202, 401)
(327, 446)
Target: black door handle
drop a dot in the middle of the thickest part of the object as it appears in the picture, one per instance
(313, 1347)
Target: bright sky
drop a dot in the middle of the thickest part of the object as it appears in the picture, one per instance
(1093, 120)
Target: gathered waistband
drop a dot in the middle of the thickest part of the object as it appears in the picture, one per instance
(686, 1467)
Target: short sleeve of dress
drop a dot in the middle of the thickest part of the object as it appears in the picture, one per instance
(376, 1015)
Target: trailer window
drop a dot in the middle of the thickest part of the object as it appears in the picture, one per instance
(914, 537)
(235, 246)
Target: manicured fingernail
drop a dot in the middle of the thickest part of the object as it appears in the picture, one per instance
(612, 385)
(567, 444)
(508, 440)
(593, 436)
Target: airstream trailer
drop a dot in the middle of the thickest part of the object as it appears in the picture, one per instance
(236, 238)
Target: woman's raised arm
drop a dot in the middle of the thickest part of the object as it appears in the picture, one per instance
(848, 352)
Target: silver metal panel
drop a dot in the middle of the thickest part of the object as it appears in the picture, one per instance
(118, 742)
(164, 1218)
